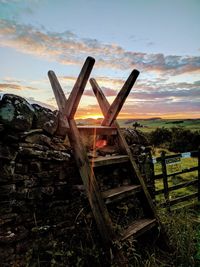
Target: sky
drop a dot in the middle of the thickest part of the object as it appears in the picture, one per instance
(159, 38)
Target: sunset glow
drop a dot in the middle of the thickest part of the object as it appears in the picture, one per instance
(164, 48)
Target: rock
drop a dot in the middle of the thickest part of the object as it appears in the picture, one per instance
(18, 233)
(107, 150)
(39, 139)
(134, 137)
(7, 152)
(1, 127)
(45, 119)
(16, 113)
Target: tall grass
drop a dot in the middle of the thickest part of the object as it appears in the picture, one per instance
(182, 230)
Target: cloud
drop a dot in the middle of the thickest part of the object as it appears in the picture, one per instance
(107, 91)
(68, 48)
(146, 90)
(12, 86)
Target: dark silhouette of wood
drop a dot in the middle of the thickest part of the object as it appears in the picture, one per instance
(178, 186)
(58, 92)
(113, 110)
(79, 87)
(97, 204)
(109, 160)
(117, 104)
(97, 130)
(97, 199)
(164, 176)
(61, 102)
(138, 227)
(199, 174)
(149, 206)
(118, 193)
(165, 180)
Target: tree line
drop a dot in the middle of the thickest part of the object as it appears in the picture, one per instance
(176, 139)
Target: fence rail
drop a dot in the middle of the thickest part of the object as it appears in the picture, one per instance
(171, 166)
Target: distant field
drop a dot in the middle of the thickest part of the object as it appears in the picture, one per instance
(151, 124)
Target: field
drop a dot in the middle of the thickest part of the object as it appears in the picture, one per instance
(186, 163)
(148, 125)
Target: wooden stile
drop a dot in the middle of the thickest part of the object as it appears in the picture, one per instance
(99, 200)
(79, 87)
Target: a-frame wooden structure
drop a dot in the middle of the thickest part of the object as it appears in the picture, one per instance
(99, 200)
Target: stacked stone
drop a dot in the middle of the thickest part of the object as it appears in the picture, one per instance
(37, 178)
(45, 219)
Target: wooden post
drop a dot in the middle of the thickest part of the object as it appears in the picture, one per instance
(199, 174)
(79, 87)
(97, 204)
(104, 105)
(117, 104)
(150, 175)
(61, 102)
(58, 92)
(165, 180)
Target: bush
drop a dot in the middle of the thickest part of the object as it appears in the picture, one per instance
(160, 136)
(175, 139)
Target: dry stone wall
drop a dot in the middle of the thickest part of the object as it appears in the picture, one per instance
(39, 186)
(45, 219)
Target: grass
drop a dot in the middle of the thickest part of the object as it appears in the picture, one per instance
(150, 125)
(184, 234)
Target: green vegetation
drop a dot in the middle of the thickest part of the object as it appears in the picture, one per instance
(176, 139)
(186, 163)
(182, 229)
(149, 125)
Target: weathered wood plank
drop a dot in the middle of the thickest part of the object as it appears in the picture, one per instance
(117, 104)
(104, 105)
(58, 92)
(79, 87)
(179, 199)
(109, 160)
(178, 186)
(97, 130)
(96, 202)
(119, 193)
(165, 180)
(159, 176)
(138, 228)
(61, 102)
(199, 174)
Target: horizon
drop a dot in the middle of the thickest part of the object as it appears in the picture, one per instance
(38, 36)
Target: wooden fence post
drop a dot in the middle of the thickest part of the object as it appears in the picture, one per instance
(165, 180)
(199, 174)
(149, 174)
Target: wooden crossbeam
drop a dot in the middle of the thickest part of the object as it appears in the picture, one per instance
(67, 108)
(117, 104)
(61, 102)
(58, 92)
(79, 87)
(104, 105)
(96, 202)
(103, 102)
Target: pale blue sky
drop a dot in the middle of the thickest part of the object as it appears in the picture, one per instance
(159, 38)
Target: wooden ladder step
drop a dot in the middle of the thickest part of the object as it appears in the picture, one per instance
(109, 160)
(138, 228)
(121, 192)
(98, 130)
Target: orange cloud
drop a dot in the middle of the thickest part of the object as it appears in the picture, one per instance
(60, 47)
